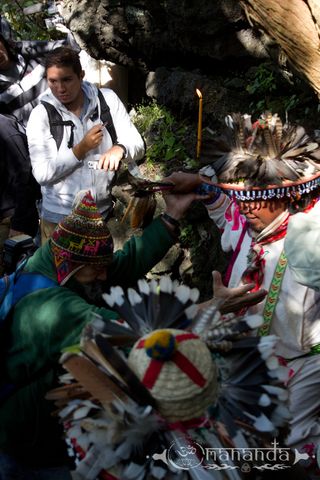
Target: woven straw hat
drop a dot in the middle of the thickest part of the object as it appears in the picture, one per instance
(177, 368)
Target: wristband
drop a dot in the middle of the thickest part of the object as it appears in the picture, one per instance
(205, 189)
(175, 223)
(125, 153)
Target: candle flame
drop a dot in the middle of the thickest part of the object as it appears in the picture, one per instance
(199, 93)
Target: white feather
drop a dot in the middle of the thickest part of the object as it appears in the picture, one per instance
(64, 412)
(115, 297)
(143, 286)
(108, 299)
(134, 471)
(154, 287)
(97, 322)
(264, 400)
(263, 424)
(175, 284)
(266, 345)
(191, 311)
(272, 363)
(183, 293)
(166, 284)
(134, 297)
(281, 373)
(280, 415)
(279, 392)
(194, 295)
(158, 472)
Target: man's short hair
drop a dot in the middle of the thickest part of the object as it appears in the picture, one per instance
(63, 57)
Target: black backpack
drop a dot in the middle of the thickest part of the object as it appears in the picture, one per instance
(57, 124)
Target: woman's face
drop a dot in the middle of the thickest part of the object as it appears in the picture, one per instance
(4, 57)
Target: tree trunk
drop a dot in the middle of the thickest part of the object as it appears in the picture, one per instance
(295, 26)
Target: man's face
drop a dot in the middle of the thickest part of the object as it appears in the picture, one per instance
(260, 214)
(89, 274)
(65, 84)
(4, 57)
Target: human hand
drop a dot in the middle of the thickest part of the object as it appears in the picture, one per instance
(91, 140)
(111, 159)
(186, 182)
(233, 299)
(178, 203)
(93, 137)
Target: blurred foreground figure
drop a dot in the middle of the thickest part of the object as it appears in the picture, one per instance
(150, 396)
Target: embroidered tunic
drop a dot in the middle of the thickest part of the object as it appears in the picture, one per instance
(296, 319)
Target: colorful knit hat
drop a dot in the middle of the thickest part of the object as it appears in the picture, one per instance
(81, 238)
(178, 370)
(264, 160)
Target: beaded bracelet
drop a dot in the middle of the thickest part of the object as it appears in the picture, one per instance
(205, 189)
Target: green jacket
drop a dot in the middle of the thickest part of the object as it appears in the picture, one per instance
(46, 321)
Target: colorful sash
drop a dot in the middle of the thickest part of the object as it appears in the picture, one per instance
(273, 295)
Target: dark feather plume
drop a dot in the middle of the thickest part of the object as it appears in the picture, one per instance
(266, 152)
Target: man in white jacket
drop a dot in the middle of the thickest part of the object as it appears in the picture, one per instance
(87, 158)
(265, 171)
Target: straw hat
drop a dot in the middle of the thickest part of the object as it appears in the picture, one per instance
(177, 368)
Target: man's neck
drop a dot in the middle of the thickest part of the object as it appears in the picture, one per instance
(77, 105)
(271, 230)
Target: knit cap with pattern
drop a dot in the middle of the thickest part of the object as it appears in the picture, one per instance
(81, 238)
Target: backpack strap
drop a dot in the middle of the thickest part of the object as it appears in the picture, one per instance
(57, 124)
(106, 118)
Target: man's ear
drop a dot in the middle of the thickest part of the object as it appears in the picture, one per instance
(82, 74)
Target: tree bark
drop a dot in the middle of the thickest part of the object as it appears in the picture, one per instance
(295, 26)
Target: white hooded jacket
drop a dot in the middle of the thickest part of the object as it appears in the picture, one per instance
(59, 172)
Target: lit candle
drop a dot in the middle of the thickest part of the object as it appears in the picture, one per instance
(199, 124)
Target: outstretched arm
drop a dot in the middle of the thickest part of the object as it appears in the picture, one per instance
(233, 299)
(141, 253)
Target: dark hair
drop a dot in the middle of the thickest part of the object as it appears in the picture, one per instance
(11, 48)
(63, 57)
(303, 203)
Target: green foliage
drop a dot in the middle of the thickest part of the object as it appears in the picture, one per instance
(263, 82)
(187, 236)
(270, 91)
(164, 135)
(27, 27)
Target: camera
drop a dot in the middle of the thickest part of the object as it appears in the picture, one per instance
(15, 249)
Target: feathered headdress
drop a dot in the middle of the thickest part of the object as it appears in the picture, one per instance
(265, 159)
(165, 381)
